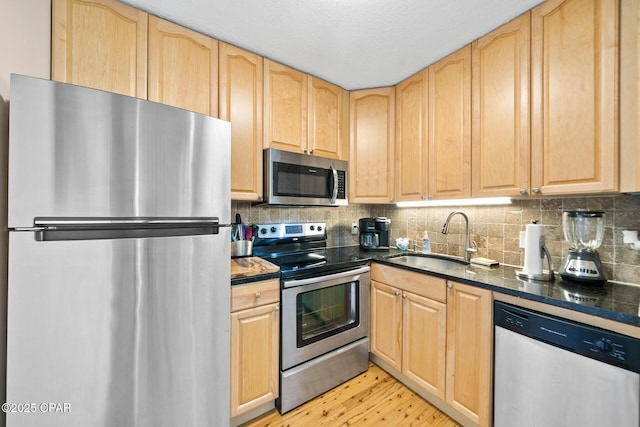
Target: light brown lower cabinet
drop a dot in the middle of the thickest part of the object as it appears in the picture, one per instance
(469, 347)
(408, 324)
(436, 333)
(255, 328)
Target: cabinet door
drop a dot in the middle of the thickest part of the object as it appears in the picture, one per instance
(100, 44)
(241, 79)
(254, 357)
(325, 119)
(285, 107)
(469, 344)
(500, 130)
(183, 67)
(372, 118)
(450, 126)
(424, 342)
(386, 323)
(574, 96)
(411, 138)
(630, 96)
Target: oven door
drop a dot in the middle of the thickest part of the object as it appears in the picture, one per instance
(322, 314)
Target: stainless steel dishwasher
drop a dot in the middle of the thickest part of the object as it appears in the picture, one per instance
(555, 372)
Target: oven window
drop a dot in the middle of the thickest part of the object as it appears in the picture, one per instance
(326, 312)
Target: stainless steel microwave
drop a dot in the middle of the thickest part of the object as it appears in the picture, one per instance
(304, 180)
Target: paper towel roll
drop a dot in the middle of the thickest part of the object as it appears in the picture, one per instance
(534, 240)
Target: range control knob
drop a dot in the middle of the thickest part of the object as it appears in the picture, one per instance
(273, 229)
(319, 228)
(604, 346)
(313, 227)
(263, 231)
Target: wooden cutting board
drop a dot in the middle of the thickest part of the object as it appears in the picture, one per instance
(251, 266)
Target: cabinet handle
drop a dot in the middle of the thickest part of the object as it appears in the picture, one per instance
(390, 200)
(276, 308)
(396, 293)
(404, 296)
(523, 191)
(304, 151)
(536, 190)
(258, 294)
(259, 196)
(311, 151)
(449, 285)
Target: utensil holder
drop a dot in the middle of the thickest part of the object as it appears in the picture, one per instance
(241, 248)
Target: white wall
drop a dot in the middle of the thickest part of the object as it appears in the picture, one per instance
(25, 40)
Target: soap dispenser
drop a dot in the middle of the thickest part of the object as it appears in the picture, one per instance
(426, 243)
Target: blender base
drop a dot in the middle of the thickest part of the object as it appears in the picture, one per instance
(583, 267)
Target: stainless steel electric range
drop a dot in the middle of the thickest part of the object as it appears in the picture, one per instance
(324, 308)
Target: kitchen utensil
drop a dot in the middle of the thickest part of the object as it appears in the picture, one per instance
(238, 230)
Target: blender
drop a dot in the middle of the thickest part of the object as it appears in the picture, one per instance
(584, 230)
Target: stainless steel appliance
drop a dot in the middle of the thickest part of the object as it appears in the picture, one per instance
(118, 299)
(324, 310)
(303, 180)
(555, 372)
(374, 233)
(584, 230)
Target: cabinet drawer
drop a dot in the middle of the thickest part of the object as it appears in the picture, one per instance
(418, 283)
(255, 294)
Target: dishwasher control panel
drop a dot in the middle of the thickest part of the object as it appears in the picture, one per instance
(596, 343)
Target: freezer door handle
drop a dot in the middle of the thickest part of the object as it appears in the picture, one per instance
(54, 229)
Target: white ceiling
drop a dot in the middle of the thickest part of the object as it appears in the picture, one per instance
(355, 44)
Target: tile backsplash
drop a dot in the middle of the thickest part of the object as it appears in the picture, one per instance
(495, 229)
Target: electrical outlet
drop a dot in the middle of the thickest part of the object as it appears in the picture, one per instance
(354, 228)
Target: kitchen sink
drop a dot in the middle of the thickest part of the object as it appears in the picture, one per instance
(431, 262)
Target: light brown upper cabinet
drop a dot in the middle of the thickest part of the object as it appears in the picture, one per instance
(327, 121)
(411, 143)
(500, 124)
(574, 132)
(241, 80)
(183, 67)
(450, 126)
(372, 123)
(285, 107)
(630, 96)
(100, 44)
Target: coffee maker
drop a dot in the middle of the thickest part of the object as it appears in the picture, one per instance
(374, 233)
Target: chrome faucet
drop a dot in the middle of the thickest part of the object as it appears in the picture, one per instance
(467, 249)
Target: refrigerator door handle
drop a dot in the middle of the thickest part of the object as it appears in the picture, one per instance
(141, 222)
(56, 229)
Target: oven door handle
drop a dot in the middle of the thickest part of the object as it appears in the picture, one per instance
(348, 273)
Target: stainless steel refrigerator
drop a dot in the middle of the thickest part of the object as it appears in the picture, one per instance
(118, 298)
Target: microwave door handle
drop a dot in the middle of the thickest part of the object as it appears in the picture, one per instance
(334, 187)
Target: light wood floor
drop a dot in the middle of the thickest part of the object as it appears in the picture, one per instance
(373, 398)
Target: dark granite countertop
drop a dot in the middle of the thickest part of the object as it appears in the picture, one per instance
(614, 301)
